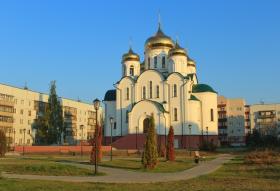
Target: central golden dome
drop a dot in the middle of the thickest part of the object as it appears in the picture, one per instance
(159, 40)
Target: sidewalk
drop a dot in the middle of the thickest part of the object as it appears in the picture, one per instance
(114, 175)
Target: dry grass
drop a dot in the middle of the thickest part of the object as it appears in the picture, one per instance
(267, 157)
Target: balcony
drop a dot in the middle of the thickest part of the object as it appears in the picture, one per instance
(8, 114)
(7, 103)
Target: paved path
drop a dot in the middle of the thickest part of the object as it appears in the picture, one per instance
(114, 175)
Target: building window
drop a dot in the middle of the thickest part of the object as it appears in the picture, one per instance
(155, 62)
(131, 70)
(144, 92)
(175, 114)
(21, 111)
(212, 114)
(126, 118)
(149, 62)
(163, 62)
(174, 90)
(157, 91)
(127, 93)
(29, 113)
(151, 89)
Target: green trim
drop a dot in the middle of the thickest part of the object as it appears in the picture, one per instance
(157, 104)
(193, 98)
(198, 88)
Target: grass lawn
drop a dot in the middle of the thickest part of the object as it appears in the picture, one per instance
(162, 167)
(234, 176)
(41, 166)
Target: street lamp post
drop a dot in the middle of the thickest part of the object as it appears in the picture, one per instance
(96, 104)
(111, 122)
(24, 130)
(207, 134)
(9, 139)
(136, 138)
(190, 129)
(82, 138)
(14, 131)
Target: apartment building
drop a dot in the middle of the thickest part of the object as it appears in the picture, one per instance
(266, 118)
(233, 121)
(20, 107)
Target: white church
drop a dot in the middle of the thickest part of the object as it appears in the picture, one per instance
(166, 86)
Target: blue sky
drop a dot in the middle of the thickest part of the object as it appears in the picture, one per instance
(236, 43)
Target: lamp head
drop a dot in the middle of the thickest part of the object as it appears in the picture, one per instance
(111, 120)
(96, 104)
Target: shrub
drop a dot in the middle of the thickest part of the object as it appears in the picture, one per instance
(267, 157)
(208, 146)
(161, 151)
(170, 155)
(3, 143)
(149, 157)
(258, 140)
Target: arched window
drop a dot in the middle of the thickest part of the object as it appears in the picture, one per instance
(155, 62)
(175, 114)
(131, 70)
(174, 90)
(127, 93)
(149, 62)
(163, 62)
(212, 114)
(144, 93)
(157, 93)
(151, 89)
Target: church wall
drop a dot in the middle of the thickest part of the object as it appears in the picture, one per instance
(209, 101)
(110, 111)
(124, 105)
(144, 80)
(194, 116)
(174, 102)
(128, 64)
(178, 64)
(138, 114)
(159, 53)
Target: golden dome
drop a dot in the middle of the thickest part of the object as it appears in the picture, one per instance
(177, 50)
(130, 56)
(159, 40)
(191, 62)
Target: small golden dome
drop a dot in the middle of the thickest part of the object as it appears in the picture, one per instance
(130, 56)
(191, 62)
(159, 40)
(177, 50)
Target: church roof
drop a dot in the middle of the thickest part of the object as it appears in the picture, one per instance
(110, 95)
(159, 40)
(130, 56)
(194, 98)
(177, 50)
(157, 104)
(198, 88)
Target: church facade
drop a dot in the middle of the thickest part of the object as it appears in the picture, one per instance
(166, 86)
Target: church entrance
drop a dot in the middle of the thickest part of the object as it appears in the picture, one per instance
(146, 125)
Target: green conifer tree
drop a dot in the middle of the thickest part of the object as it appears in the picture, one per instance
(55, 119)
(150, 154)
(3, 143)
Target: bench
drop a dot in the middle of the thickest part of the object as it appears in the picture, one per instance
(132, 151)
(199, 157)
